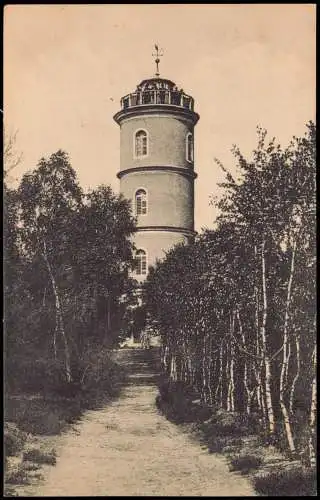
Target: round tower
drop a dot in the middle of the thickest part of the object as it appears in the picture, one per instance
(157, 167)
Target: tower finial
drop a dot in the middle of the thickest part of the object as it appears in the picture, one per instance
(159, 53)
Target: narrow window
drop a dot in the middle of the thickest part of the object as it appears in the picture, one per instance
(141, 143)
(141, 262)
(189, 147)
(141, 202)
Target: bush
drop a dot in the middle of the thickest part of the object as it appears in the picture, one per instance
(40, 457)
(224, 423)
(39, 415)
(34, 374)
(293, 482)
(17, 476)
(245, 463)
(98, 373)
(179, 403)
(14, 439)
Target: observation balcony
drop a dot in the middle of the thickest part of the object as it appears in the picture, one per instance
(167, 97)
(155, 94)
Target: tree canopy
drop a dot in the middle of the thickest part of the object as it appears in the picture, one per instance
(236, 310)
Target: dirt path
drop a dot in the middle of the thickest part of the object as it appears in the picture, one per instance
(127, 448)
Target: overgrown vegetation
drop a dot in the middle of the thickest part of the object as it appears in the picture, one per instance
(236, 310)
(67, 254)
(39, 457)
(297, 482)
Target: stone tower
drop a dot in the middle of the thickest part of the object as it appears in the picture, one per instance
(157, 167)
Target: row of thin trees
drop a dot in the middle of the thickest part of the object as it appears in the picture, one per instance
(236, 310)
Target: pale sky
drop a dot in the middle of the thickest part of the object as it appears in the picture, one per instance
(67, 66)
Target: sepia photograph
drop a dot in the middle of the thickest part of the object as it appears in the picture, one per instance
(159, 250)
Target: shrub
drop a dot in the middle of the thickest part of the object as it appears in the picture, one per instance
(245, 463)
(17, 476)
(179, 403)
(225, 423)
(292, 482)
(14, 439)
(39, 456)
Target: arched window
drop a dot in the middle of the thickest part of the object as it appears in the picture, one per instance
(141, 143)
(141, 262)
(141, 202)
(189, 147)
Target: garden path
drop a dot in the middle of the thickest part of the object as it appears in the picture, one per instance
(128, 448)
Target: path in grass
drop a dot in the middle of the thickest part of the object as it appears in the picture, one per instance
(127, 448)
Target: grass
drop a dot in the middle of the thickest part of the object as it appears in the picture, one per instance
(48, 412)
(33, 416)
(41, 415)
(17, 476)
(294, 482)
(233, 435)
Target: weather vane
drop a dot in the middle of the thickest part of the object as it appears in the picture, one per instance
(159, 53)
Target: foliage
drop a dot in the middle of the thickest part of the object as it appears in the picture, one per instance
(236, 308)
(66, 260)
(14, 439)
(301, 482)
(245, 463)
(40, 457)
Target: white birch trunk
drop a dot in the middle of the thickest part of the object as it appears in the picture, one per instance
(258, 365)
(59, 318)
(245, 374)
(285, 359)
(173, 369)
(231, 364)
(313, 410)
(267, 364)
(297, 375)
(221, 376)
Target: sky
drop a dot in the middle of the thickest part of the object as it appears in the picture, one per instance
(67, 66)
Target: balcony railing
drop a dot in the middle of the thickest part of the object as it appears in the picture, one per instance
(166, 97)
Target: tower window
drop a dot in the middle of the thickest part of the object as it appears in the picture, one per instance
(141, 202)
(189, 147)
(141, 143)
(141, 262)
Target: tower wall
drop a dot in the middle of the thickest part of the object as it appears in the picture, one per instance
(163, 170)
(167, 140)
(170, 197)
(156, 244)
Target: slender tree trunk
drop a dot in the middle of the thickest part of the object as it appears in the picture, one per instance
(55, 336)
(221, 376)
(204, 370)
(59, 318)
(267, 364)
(245, 369)
(190, 370)
(230, 400)
(231, 380)
(285, 359)
(173, 369)
(108, 313)
(313, 410)
(286, 375)
(258, 365)
(211, 371)
(297, 375)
